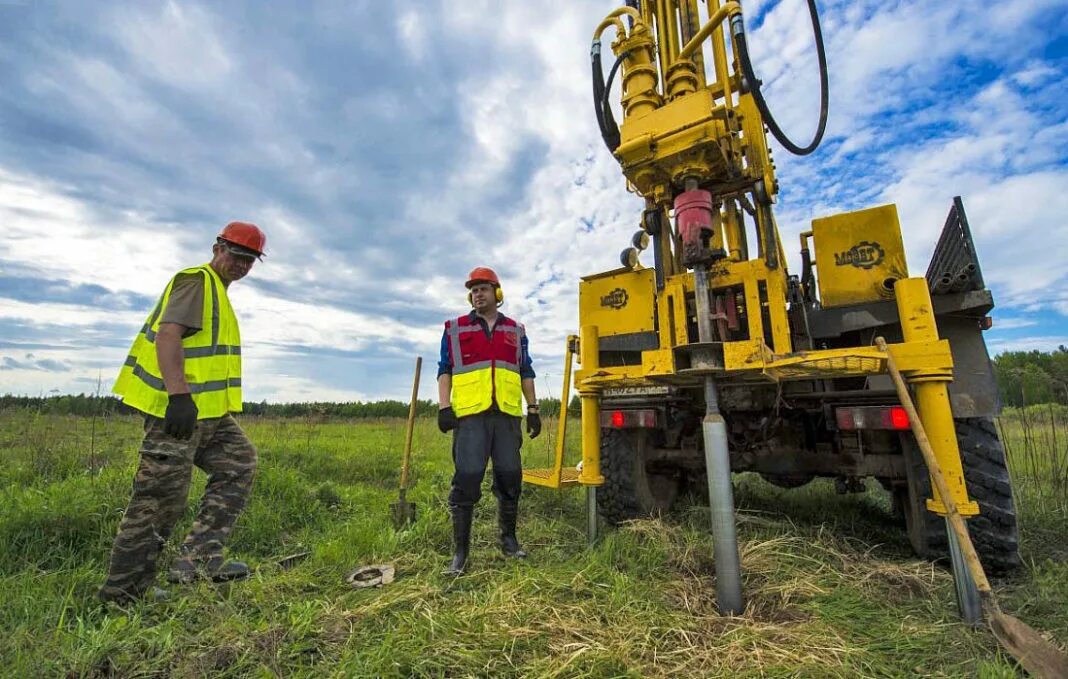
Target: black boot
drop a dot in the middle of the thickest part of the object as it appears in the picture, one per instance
(186, 570)
(507, 518)
(461, 537)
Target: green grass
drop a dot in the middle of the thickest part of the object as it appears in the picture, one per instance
(831, 587)
(1036, 440)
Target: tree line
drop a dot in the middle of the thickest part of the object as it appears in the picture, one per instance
(1024, 378)
(1029, 377)
(93, 404)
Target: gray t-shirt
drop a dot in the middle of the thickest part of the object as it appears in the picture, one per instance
(186, 303)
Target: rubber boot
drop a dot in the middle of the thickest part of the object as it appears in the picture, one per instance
(461, 537)
(231, 570)
(507, 518)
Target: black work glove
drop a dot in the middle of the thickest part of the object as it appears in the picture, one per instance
(181, 418)
(533, 424)
(446, 420)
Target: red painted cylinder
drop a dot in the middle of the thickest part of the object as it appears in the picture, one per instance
(693, 210)
(693, 213)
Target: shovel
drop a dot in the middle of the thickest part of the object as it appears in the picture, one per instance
(403, 511)
(1034, 653)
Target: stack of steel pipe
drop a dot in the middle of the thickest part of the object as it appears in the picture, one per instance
(954, 265)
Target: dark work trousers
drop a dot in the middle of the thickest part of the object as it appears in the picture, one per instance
(491, 435)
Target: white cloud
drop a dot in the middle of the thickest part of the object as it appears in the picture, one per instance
(61, 237)
(534, 193)
(180, 45)
(1033, 343)
(1014, 323)
(412, 28)
(278, 386)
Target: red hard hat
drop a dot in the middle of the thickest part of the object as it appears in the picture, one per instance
(482, 274)
(246, 235)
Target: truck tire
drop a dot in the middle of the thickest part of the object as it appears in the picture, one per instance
(994, 531)
(631, 490)
(788, 481)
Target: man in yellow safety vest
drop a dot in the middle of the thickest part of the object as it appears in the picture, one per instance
(184, 373)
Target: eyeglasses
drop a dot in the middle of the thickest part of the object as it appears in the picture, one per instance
(237, 251)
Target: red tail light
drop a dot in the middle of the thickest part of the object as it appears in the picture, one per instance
(872, 417)
(899, 418)
(626, 419)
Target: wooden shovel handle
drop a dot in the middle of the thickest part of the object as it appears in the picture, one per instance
(955, 519)
(411, 426)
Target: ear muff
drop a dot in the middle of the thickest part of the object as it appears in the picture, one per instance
(497, 293)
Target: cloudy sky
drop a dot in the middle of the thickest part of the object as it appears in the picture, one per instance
(387, 148)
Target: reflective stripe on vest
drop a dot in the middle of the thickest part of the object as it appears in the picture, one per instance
(489, 370)
(212, 357)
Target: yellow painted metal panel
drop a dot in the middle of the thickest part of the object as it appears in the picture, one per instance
(859, 255)
(929, 357)
(753, 309)
(745, 355)
(780, 324)
(672, 117)
(620, 303)
(658, 362)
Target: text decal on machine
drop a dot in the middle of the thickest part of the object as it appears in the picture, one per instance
(617, 299)
(863, 255)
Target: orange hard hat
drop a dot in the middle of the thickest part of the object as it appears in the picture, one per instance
(246, 235)
(482, 274)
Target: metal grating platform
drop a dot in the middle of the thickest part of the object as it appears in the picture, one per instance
(568, 476)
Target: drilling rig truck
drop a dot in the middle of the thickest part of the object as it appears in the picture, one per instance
(716, 360)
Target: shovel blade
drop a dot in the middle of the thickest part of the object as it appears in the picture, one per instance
(403, 514)
(1033, 651)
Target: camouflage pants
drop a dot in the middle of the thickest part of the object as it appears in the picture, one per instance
(160, 494)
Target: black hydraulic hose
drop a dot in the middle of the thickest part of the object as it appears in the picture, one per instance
(602, 110)
(738, 34)
(610, 126)
(598, 87)
(806, 274)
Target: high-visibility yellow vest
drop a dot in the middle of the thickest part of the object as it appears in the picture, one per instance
(485, 369)
(212, 357)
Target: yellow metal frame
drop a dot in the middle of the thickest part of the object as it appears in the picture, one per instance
(556, 476)
(684, 128)
(925, 360)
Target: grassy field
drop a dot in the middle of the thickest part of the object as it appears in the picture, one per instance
(832, 589)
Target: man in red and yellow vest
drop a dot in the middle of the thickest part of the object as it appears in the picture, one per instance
(483, 375)
(184, 373)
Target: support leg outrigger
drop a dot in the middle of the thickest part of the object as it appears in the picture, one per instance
(589, 475)
(591, 515)
(932, 403)
(1036, 654)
